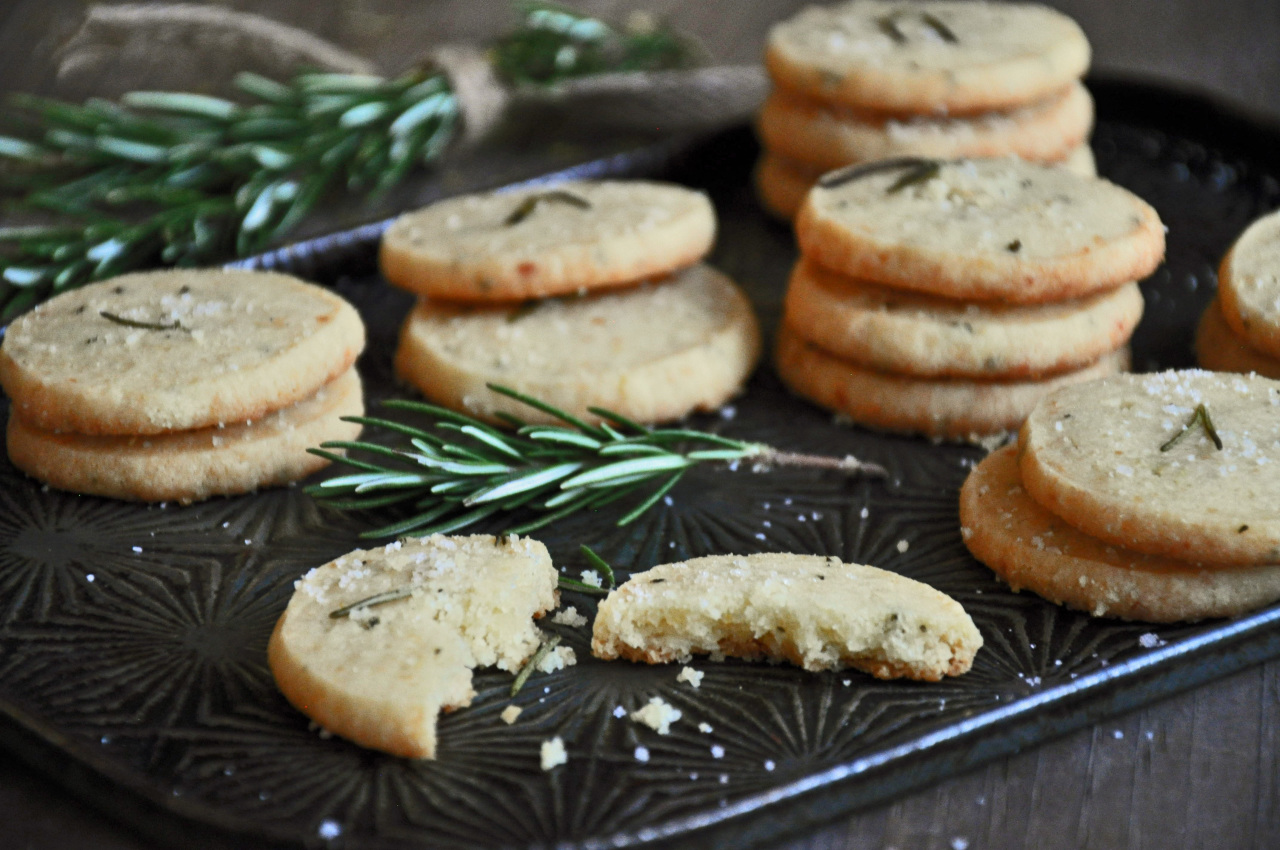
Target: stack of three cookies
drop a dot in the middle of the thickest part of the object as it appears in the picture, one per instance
(178, 386)
(585, 294)
(946, 298)
(878, 79)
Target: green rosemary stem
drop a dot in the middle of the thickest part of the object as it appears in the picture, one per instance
(180, 179)
(458, 471)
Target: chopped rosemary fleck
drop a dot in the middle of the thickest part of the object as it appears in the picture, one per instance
(850, 173)
(944, 32)
(888, 25)
(600, 564)
(146, 326)
(523, 310)
(1200, 416)
(370, 601)
(1014, 247)
(529, 204)
(925, 171)
(550, 643)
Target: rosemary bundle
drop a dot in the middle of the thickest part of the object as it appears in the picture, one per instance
(177, 179)
(459, 470)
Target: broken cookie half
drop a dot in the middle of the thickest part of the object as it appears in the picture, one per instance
(816, 612)
(374, 645)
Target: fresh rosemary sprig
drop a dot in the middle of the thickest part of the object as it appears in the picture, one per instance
(460, 470)
(178, 179)
(554, 43)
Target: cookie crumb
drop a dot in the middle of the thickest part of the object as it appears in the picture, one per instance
(569, 617)
(592, 578)
(658, 715)
(903, 546)
(693, 677)
(705, 728)
(553, 753)
(510, 713)
(558, 659)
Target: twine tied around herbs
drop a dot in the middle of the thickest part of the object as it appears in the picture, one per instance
(197, 178)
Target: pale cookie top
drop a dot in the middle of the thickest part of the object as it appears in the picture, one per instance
(1130, 460)
(175, 350)
(998, 229)
(814, 611)
(486, 589)
(374, 644)
(548, 240)
(1249, 285)
(927, 56)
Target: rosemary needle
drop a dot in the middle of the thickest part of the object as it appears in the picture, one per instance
(369, 602)
(532, 664)
(1200, 417)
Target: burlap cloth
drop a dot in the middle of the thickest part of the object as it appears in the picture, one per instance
(188, 47)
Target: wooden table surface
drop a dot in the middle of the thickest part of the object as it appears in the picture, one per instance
(1198, 770)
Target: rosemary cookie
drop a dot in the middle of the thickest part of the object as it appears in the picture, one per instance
(167, 351)
(782, 184)
(189, 466)
(1219, 349)
(1179, 464)
(829, 137)
(927, 57)
(536, 242)
(813, 611)
(653, 352)
(1002, 229)
(374, 645)
(1030, 547)
(895, 330)
(942, 408)
(1249, 285)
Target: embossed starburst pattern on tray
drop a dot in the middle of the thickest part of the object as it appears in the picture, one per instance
(135, 635)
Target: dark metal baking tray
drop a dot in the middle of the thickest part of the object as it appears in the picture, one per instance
(132, 638)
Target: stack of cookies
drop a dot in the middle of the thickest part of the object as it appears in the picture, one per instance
(587, 294)
(1240, 330)
(946, 298)
(876, 79)
(178, 386)
(1144, 497)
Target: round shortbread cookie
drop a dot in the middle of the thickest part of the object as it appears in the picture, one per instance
(654, 352)
(980, 229)
(176, 350)
(816, 612)
(782, 183)
(1249, 285)
(188, 466)
(1219, 349)
(378, 674)
(1131, 461)
(944, 408)
(540, 241)
(1032, 548)
(830, 137)
(927, 57)
(926, 336)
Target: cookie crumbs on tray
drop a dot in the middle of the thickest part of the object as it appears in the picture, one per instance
(569, 617)
(553, 753)
(558, 659)
(658, 715)
(591, 577)
(690, 675)
(510, 713)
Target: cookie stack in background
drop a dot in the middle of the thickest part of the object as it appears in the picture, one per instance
(586, 294)
(946, 298)
(876, 79)
(181, 385)
(1240, 329)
